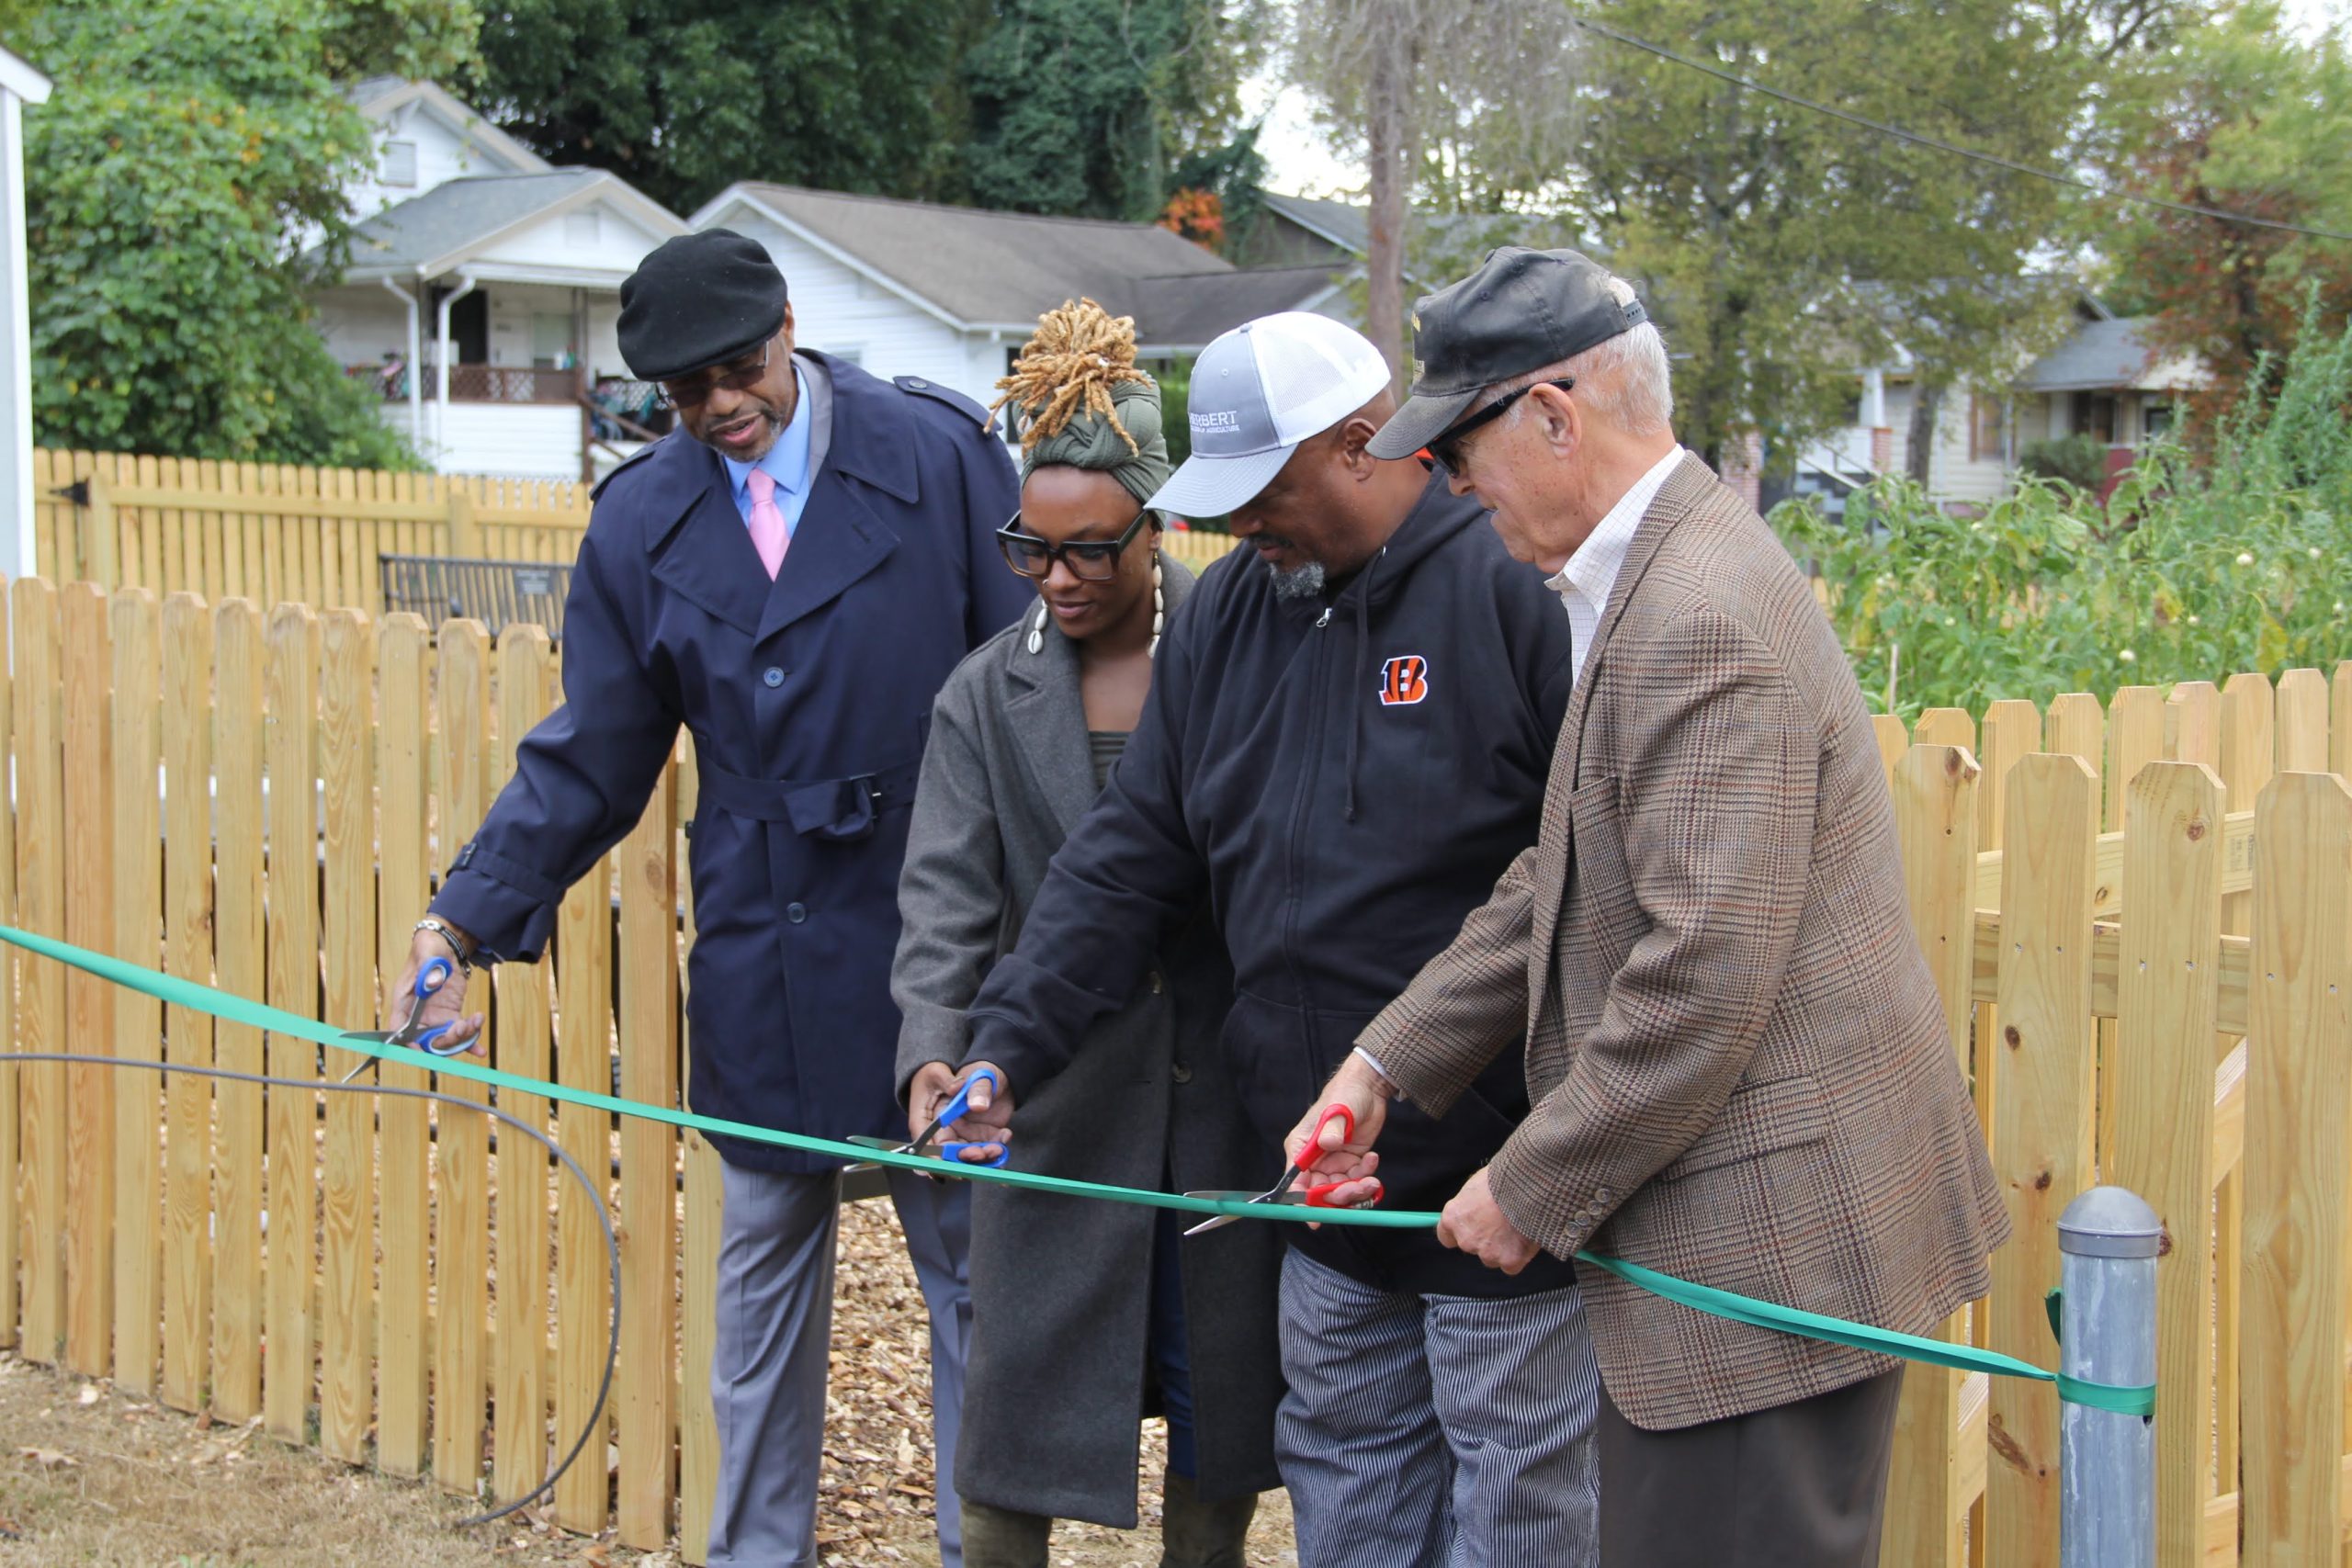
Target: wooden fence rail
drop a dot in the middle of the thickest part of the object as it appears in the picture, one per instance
(280, 533)
(2145, 955)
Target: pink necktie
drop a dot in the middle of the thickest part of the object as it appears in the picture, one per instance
(768, 537)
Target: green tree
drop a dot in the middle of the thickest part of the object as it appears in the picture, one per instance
(1466, 104)
(187, 153)
(2242, 115)
(682, 97)
(1089, 109)
(1785, 248)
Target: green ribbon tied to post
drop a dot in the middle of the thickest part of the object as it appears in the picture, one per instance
(177, 991)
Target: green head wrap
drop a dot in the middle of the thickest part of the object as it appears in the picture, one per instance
(1082, 403)
(1090, 441)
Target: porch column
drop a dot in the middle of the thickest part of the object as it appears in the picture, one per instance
(441, 371)
(19, 84)
(1874, 420)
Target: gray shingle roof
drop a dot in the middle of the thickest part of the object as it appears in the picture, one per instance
(1344, 223)
(1187, 312)
(986, 268)
(2100, 354)
(456, 214)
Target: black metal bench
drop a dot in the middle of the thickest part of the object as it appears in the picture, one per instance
(498, 593)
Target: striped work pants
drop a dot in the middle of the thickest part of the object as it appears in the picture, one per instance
(1437, 1431)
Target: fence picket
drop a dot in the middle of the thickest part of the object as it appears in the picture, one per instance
(2301, 723)
(89, 1001)
(2168, 990)
(1934, 795)
(293, 957)
(404, 1131)
(40, 907)
(2246, 734)
(135, 625)
(16, 975)
(462, 1252)
(2135, 737)
(187, 1034)
(647, 860)
(584, 1060)
(1894, 741)
(348, 747)
(2340, 735)
(239, 935)
(698, 1290)
(1946, 727)
(2041, 1127)
(2297, 1147)
(520, 1449)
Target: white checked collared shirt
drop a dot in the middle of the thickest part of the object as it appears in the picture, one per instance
(1584, 583)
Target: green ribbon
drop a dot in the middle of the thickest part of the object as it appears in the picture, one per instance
(176, 991)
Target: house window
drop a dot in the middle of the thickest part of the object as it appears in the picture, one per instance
(1985, 420)
(550, 340)
(583, 228)
(2155, 420)
(399, 163)
(2095, 416)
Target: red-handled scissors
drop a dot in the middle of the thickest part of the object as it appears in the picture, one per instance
(1281, 1192)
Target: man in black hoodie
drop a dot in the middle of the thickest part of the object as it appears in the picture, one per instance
(1345, 745)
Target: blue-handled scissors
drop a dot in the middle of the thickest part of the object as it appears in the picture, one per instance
(957, 1106)
(430, 977)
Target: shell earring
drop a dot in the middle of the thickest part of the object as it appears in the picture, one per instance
(1037, 629)
(1158, 608)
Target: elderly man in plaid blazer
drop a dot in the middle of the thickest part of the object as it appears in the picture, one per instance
(1735, 1057)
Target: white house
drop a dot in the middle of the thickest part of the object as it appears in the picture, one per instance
(951, 293)
(19, 84)
(2103, 380)
(483, 291)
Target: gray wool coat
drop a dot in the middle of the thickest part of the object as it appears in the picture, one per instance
(1061, 1286)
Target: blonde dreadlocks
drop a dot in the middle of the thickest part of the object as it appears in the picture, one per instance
(1077, 357)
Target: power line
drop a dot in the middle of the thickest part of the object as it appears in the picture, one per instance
(1937, 145)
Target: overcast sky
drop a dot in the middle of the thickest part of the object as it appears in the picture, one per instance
(1300, 161)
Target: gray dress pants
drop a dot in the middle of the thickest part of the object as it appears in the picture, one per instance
(774, 1332)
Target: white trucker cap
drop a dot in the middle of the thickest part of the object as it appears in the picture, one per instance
(1257, 392)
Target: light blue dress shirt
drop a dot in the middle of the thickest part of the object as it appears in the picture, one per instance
(787, 462)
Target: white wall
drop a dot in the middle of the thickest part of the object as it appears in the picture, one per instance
(596, 236)
(362, 324)
(519, 439)
(841, 312)
(442, 154)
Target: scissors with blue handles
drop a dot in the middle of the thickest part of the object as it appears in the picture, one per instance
(430, 975)
(949, 1114)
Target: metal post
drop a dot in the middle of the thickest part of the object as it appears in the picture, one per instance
(2107, 1462)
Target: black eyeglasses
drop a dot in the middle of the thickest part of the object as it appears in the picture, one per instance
(735, 376)
(1447, 447)
(1090, 561)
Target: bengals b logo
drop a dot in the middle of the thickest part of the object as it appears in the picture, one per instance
(1404, 680)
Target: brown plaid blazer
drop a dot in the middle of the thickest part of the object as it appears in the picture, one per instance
(1736, 1053)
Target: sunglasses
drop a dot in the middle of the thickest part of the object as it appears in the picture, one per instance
(738, 377)
(1090, 561)
(1447, 447)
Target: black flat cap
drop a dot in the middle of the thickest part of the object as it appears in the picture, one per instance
(1520, 310)
(699, 300)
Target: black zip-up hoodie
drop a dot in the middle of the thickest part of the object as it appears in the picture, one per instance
(1347, 776)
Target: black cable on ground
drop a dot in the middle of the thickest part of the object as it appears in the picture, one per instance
(595, 1425)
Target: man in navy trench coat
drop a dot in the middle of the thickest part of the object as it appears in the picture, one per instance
(808, 698)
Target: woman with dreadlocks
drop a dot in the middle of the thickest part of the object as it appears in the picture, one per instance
(1086, 1315)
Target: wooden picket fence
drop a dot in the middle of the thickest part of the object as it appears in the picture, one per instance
(281, 534)
(2137, 913)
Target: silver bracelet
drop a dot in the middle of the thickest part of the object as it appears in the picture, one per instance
(464, 956)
